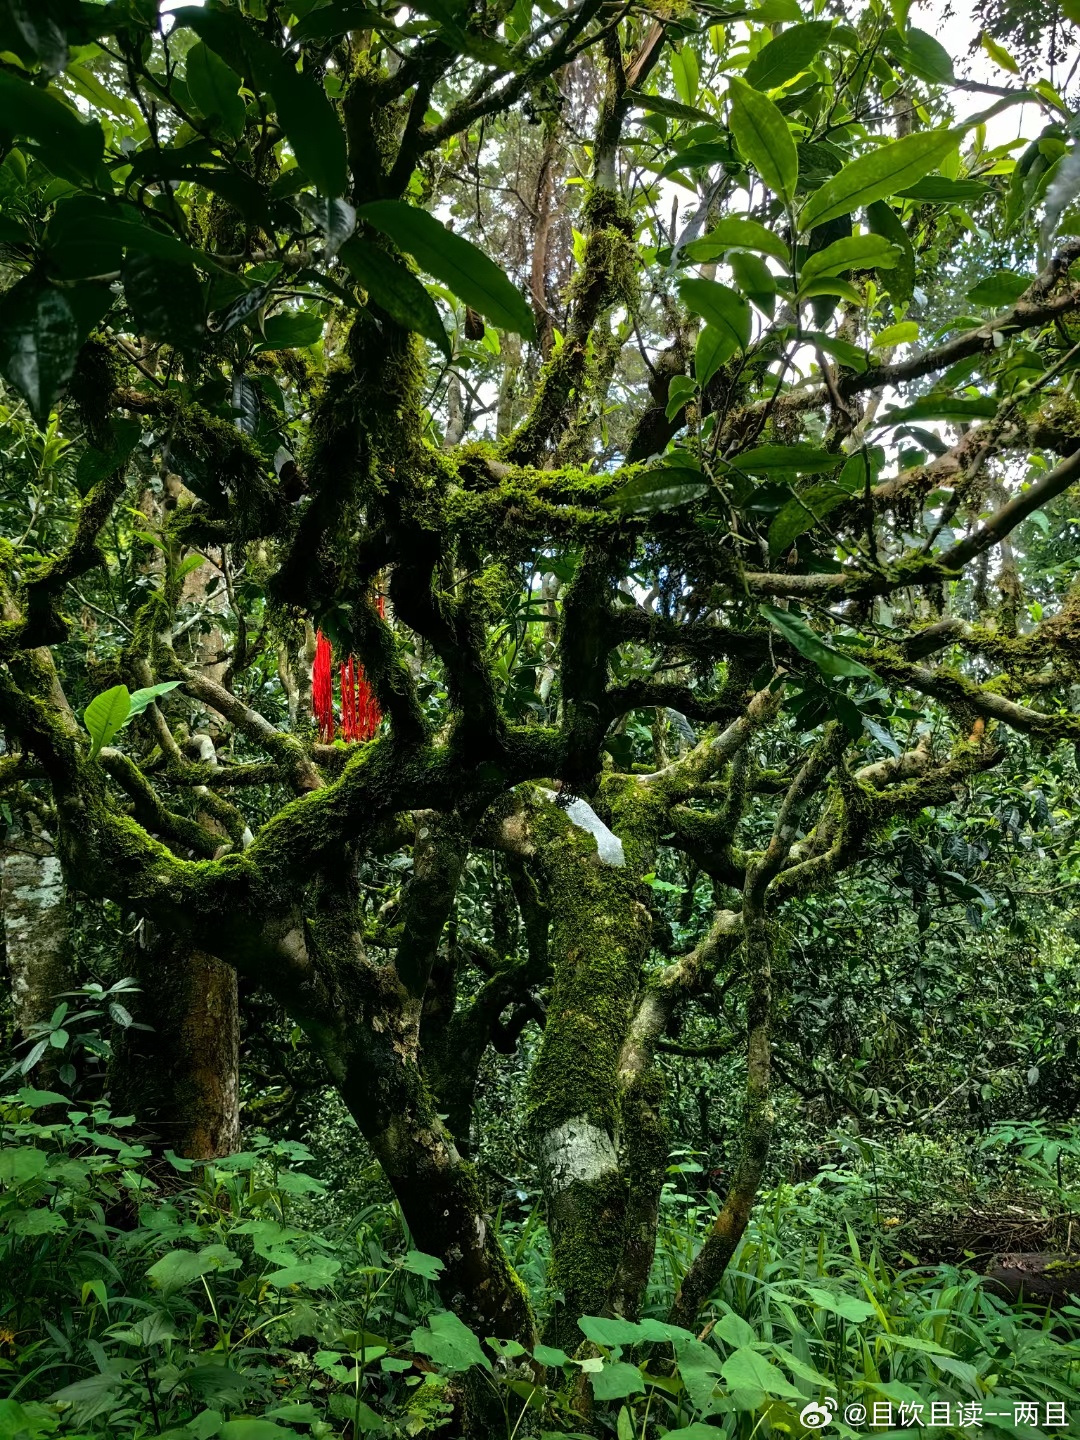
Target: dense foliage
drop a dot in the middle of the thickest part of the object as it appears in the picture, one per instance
(540, 694)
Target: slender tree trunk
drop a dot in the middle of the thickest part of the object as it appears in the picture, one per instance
(37, 927)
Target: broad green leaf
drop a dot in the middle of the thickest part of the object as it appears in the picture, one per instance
(831, 285)
(883, 172)
(179, 1268)
(847, 1306)
(105, 714)
(450, 1344)
(166, 300)
(603, 1330)
(714, 347)
(616, 1381)
(942, 407)
(802, 512)
(771, 459)
(698, 157)
(672, 109)
(664, 488)
(417, 1263)
(140, 699)
(39, 343)
(809, 644)
(253, 1428)
(396, 290)
(904, 332)
(549, 1355)
(998, 54)
(699, 1367)
(455, 261)
(853, 252)
(998, 289)
(883, 220)
(755, 280)
(335, 220)
(719, 306)
(921, 54)
(18, 1166)
(762, 134)
(68, 144)
(734, 1330)
(734, 233)
(315, 1274)
(938, 189)
(292, 330)
(746, 1369)
(214, 87)
(791, 52)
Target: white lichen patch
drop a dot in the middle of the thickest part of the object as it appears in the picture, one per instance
(577, 1150)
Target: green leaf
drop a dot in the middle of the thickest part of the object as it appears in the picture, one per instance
(772, 459)
(253, 1429)
(791, 52)
(616, 1380)
(214, 87)
(719, 306)
(672, 109)
(920, 53)
(104, 716)
(938, 189)
(68, 144)
(883, 220)
(734, 233)
(317, 1274)
(549, 1355)
(755, 280)
(455, 261)
(942, 407)
(140, 699)
(602, 1330)
(450, 1344)
(39, 343)
(846, 1306)
(904, 332)
(762, 134)
(166, 300)
(853, 252)
(417, 1263)
(179, 1268)
(802, 512)
(713, 348)
(306, 115)
(998, 289)
(292, 330)
(396, 290)
(998, 54)
(20, 1166)
(734, 1330)
(746, 1369)
(809, 644)
(883, 172)
(664, 488)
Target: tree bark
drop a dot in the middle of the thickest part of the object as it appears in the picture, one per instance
(37, 921)
(180, 1077)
